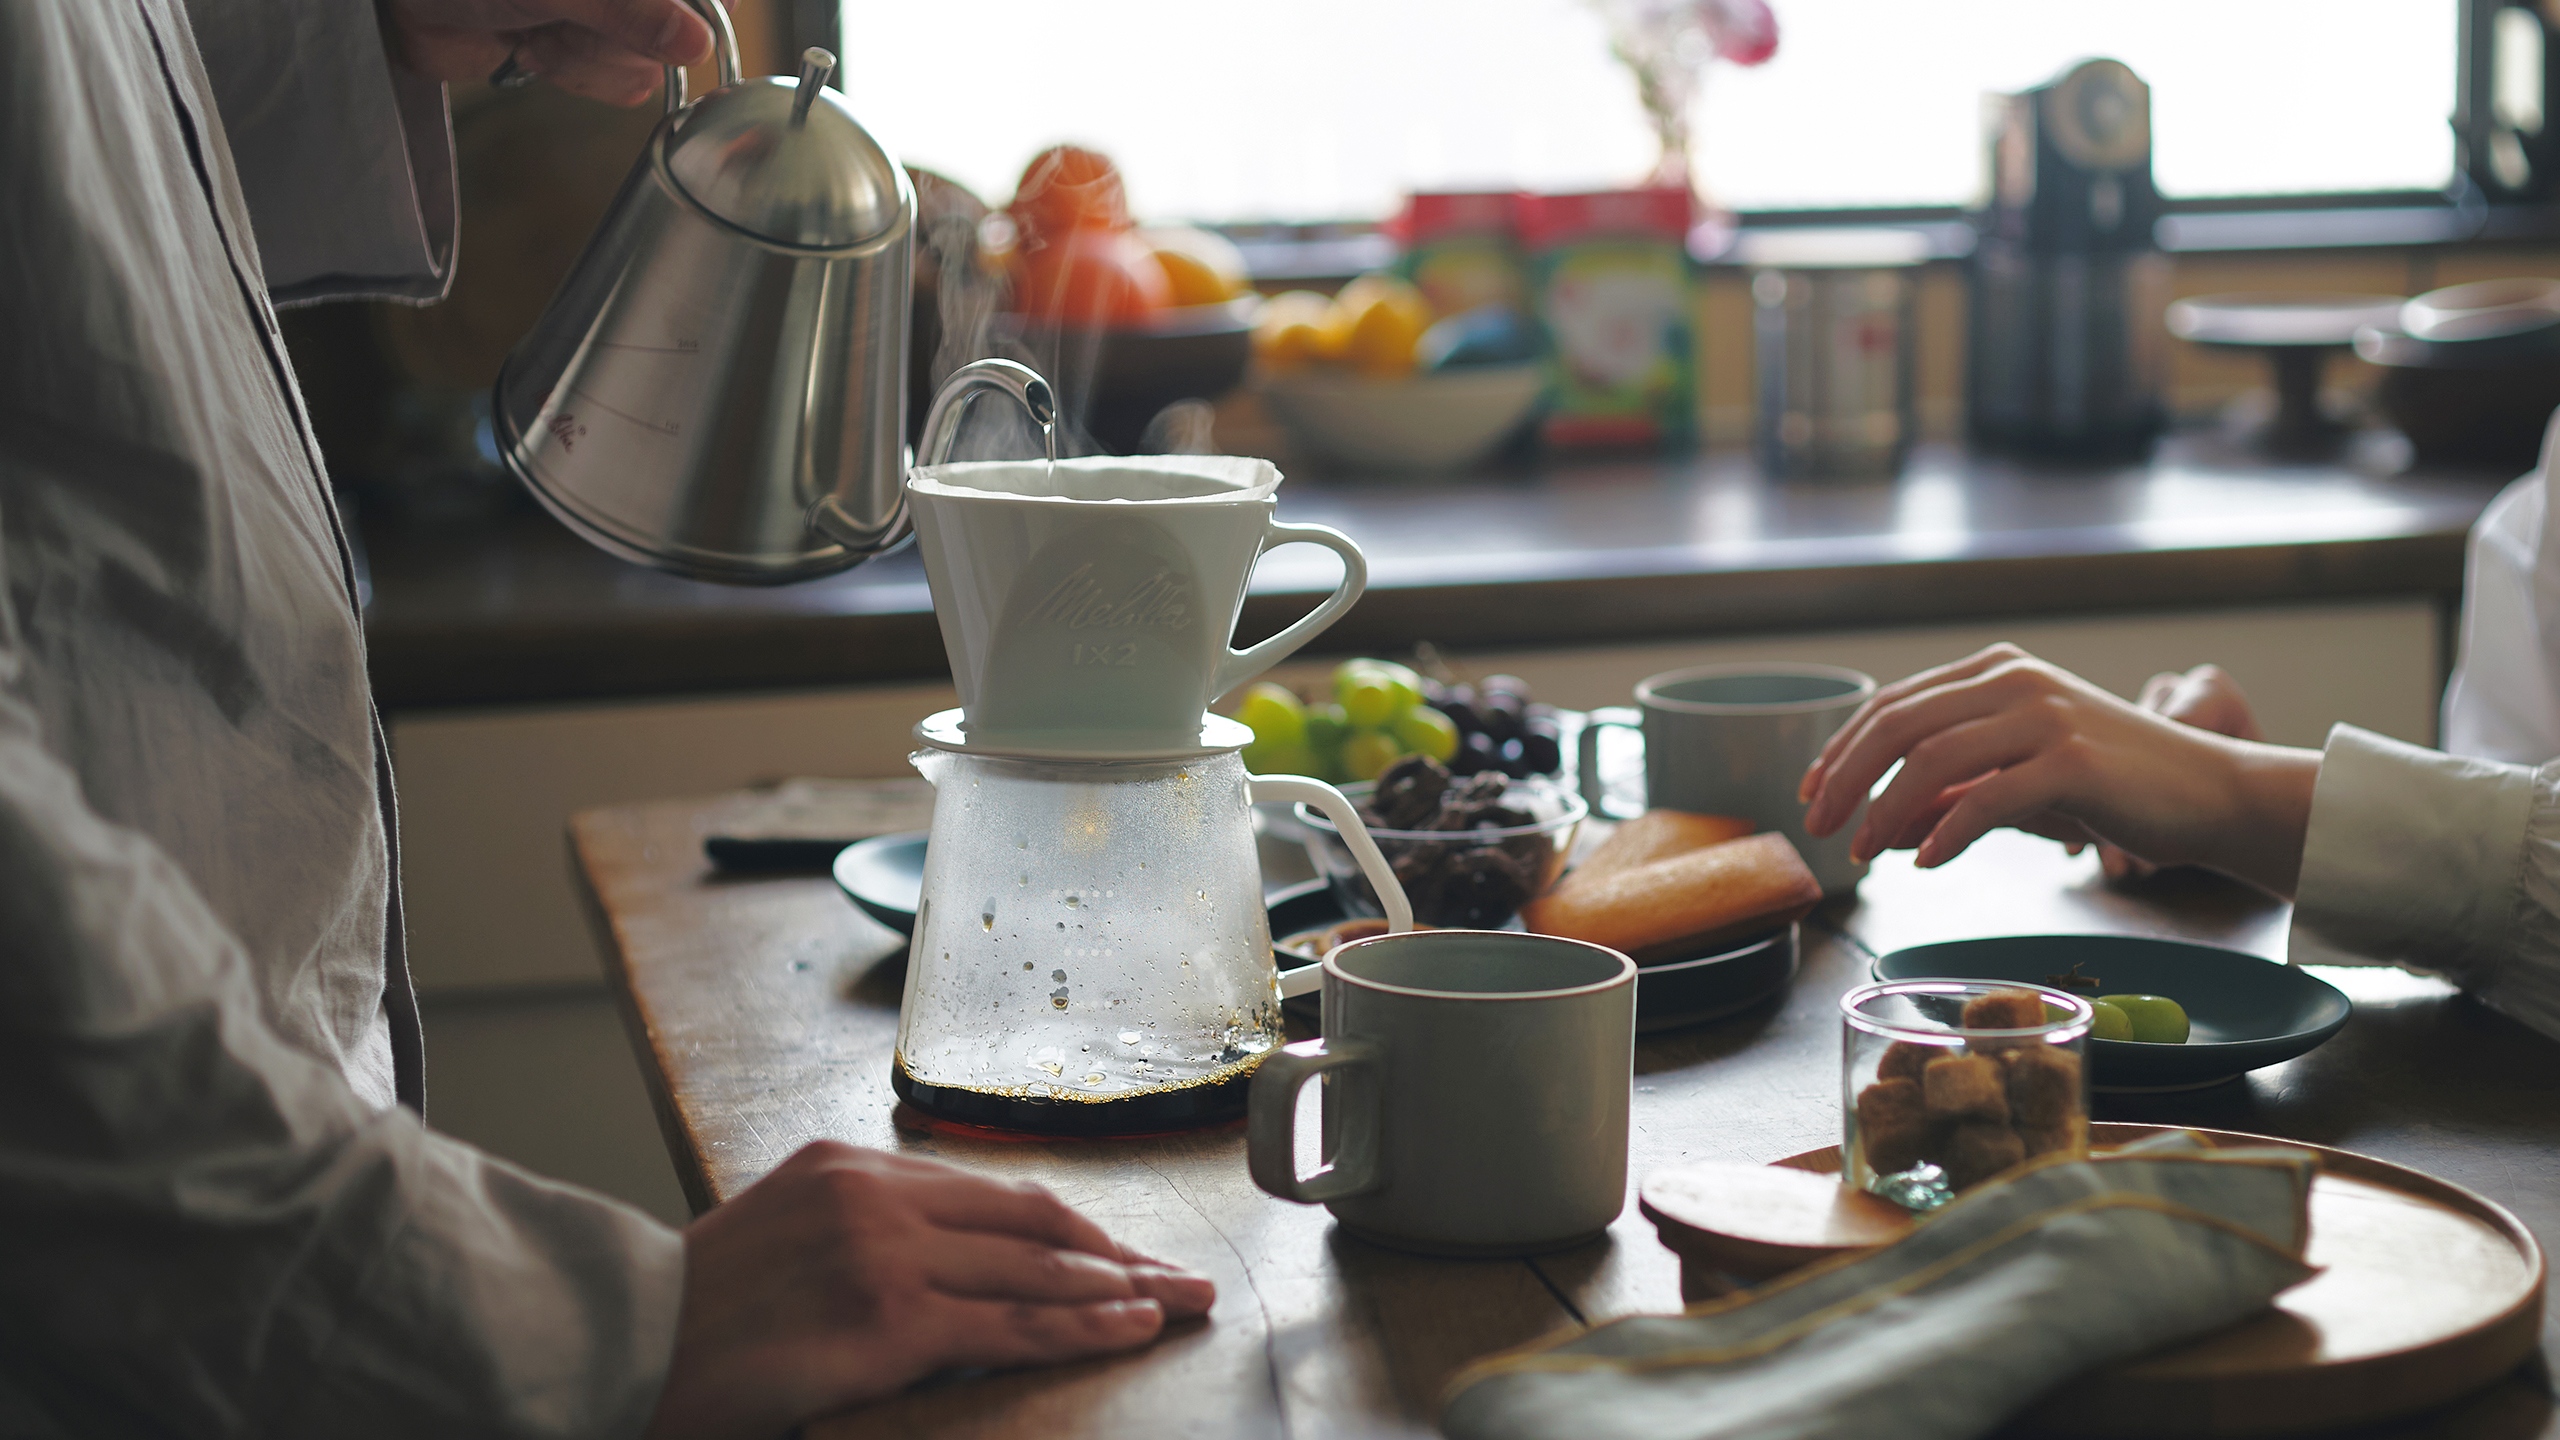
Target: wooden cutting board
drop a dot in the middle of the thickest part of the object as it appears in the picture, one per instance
(2426, 1291)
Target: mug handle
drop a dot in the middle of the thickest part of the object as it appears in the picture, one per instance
(1336, 807)
(1243, 665)
(1587, 755)
(1271, 1121)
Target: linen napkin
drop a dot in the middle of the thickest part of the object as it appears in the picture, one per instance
(1980, 1309)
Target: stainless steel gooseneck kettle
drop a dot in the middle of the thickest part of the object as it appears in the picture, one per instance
(719, 387)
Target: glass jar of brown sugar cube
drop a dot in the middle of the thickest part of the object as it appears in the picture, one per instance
(1945, 1084)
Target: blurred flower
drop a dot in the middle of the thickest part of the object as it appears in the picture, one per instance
(1667, 46)
(1745, 32)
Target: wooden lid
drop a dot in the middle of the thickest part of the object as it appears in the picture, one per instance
(1754, 1221)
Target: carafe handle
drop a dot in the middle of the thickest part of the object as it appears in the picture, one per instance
(1243, 665)
(1336, 807)
(724, 47)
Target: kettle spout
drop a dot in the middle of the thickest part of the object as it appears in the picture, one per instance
(942, 422)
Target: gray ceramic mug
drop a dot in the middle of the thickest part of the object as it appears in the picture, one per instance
(1735, 740)
(1475, 1097)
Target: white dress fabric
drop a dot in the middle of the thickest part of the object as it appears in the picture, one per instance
(2450, 861)
(214, 1219)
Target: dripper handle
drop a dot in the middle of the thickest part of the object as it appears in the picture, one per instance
(1336, 807)
(724, 47)
(1243, 665)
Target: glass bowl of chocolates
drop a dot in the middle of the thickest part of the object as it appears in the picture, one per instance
(1469, 851)
(1945, 1084)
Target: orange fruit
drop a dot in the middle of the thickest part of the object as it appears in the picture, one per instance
(1384, 319)
(1204, 267)
(1296, 327)
(1092, 279)
(1065, 188)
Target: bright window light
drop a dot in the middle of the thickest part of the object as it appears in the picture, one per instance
(1332, 109)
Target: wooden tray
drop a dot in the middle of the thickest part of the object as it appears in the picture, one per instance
(2426, 1292)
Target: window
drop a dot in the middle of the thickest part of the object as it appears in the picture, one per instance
(1331, 109)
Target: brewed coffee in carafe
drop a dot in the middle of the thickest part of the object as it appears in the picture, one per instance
(1091, 953)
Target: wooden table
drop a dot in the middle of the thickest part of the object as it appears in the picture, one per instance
(765, 1010)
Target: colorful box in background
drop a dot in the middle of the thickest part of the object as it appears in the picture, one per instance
(1610, 283)
(1462, 250)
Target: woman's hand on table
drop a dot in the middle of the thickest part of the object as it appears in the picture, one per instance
(2002, 738)
(847, 1275)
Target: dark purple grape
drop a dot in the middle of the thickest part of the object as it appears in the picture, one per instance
(1435, 694)
(1501, 721)
(1513, 759)
(1462, 713)
(1511, 685)
(1542, 751)
(1475, 753)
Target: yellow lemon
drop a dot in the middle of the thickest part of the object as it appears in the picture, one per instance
(1385, 320)
(1296, 327)
(1205, 267)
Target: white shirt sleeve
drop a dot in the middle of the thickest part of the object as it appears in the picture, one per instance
(2504, 702)
(2438, 862)
(345, 159)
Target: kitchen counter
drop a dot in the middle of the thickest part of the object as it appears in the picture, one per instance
(517, 611)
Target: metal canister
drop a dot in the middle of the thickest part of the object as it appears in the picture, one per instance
(1832, 342)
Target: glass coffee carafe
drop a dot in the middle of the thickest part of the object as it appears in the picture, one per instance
(1092, 954)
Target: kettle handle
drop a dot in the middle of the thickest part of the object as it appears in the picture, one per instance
(724, 45)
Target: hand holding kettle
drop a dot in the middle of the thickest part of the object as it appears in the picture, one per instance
(608, 50)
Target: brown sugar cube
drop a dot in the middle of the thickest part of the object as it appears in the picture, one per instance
(2062, 1137)
(2004, 1010)
(1965, 1087)
(1903, 1060)
(2043, 1086)
(1979, 1149)
(1894, 1126)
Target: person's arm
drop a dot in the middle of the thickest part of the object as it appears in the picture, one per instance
(2002, 738)
(335, 114)
(2439, 862)
(203, 1229)
(345, 159)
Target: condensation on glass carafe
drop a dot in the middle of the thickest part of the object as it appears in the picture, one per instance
(1093, 930)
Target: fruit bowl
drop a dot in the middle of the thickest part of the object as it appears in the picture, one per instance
(1438, 420)
(1470, 879)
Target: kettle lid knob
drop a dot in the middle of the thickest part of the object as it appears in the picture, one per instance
(783, 159)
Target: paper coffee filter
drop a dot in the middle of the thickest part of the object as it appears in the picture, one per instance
(1128, 479)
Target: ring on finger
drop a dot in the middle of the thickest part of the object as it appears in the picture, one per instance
(511, 73)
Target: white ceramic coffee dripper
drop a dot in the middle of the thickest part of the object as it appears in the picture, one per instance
(1090, 603)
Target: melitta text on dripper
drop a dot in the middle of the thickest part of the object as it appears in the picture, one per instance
(1091, 953)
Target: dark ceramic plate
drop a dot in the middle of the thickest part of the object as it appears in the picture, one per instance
(1669, 994)
(2246, 1012)
(885, 876)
